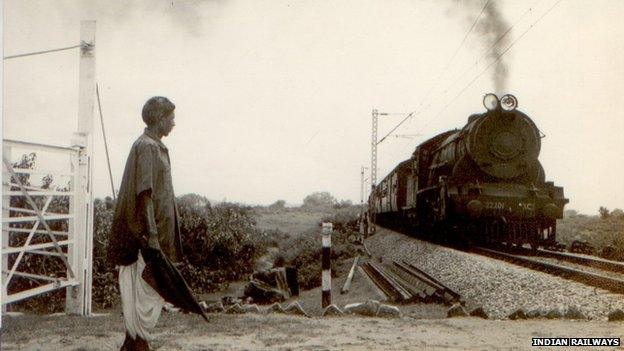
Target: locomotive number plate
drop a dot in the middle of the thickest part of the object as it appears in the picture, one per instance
(494, 205)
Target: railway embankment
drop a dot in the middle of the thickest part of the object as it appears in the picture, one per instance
(501, 288)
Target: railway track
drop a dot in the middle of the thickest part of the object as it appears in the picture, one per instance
(596, 262)
(533, 261)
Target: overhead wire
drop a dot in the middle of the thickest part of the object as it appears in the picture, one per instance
(395, 127)
(41, 52)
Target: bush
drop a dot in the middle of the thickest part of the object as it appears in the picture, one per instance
(279, 205)
(343, 204)
(617, 213)
(345, 218)
(319, 201)
(220, 243)
(105, 277)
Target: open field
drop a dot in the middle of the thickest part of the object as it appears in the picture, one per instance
(292, 221)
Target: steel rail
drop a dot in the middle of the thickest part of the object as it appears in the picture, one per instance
(608, 283)
(596, 262)
(367, 277)
(445, 293)
(419, 292)
(388, 283)
(447, 290)
(401, 292)
(425, 291)
(379, 282)
(432, 287)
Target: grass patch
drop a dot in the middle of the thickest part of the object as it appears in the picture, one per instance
(293, 221)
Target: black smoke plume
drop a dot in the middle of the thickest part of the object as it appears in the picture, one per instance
(490, 31)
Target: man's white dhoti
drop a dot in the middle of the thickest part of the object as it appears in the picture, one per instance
(141, 304)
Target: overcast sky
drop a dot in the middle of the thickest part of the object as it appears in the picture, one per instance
(274, 98)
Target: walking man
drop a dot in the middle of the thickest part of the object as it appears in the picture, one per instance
(145, 217)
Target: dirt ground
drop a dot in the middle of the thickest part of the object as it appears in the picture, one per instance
(281, 332)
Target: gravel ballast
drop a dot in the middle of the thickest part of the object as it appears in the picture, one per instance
(499, 287)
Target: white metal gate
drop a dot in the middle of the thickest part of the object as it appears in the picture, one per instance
(45, 213)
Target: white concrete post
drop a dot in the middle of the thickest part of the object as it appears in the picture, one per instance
(78, 298)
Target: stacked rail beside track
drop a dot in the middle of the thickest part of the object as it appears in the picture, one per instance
(593, 279)
(388, 283)
(424, 291)
(445, 293)
(405, 283)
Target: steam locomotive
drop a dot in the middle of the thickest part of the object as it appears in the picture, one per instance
(481, 184)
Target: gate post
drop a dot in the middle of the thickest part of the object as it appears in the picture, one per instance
(80, 252)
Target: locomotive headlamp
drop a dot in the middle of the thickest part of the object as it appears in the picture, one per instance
(509, 102)
(490, 101)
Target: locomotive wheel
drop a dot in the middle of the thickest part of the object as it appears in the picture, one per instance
(533, 236)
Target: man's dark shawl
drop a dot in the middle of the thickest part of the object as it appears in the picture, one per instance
(165, 278)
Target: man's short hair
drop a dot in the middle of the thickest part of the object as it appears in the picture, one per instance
(156, 108)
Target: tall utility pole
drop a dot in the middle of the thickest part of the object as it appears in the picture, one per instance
(362, 186)
(371, 227)
(374, 141)
(374, 151)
